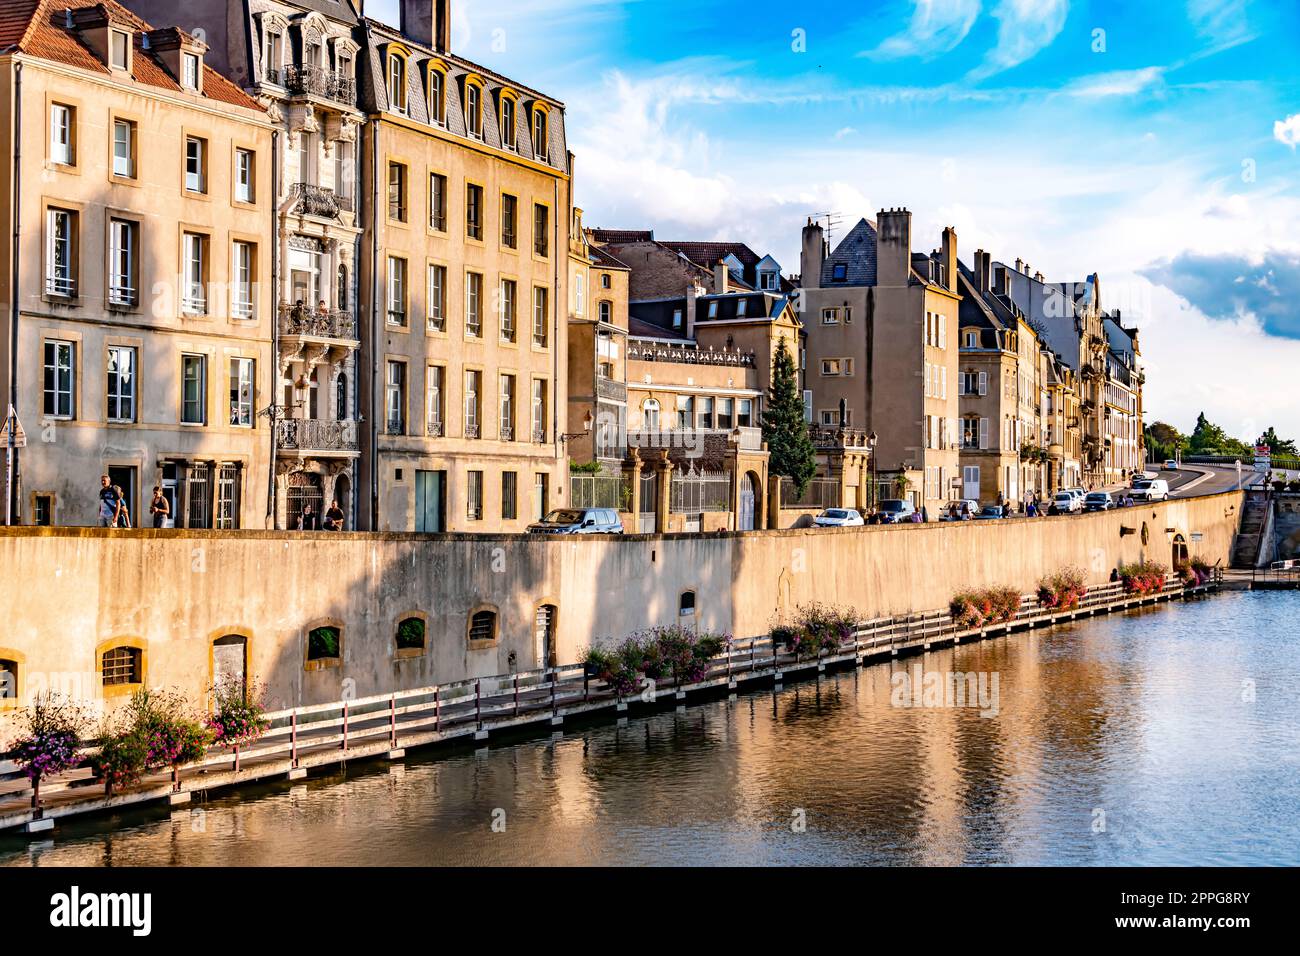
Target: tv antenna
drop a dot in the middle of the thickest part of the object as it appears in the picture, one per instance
(829, 220)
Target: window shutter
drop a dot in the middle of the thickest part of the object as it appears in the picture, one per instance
(984, 383)
(984, 433)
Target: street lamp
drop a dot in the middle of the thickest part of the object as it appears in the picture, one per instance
(875, 472)
(587, 422)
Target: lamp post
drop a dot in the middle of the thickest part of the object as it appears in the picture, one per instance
(875, 472)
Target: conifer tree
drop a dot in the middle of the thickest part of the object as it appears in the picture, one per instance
(789, 445)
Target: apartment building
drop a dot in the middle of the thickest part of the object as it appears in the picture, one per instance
(299, 60)
(662, 268)
(138, 338)
(467, 286)
(882, 350)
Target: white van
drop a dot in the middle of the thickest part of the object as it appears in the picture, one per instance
(1154, 490)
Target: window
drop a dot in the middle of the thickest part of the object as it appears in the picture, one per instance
(474, 304)
(606, 311)
(677, 318)
(274, 56)
(579, 294)
(724, 414)
(741, 306)
(474, 497)
(121, 383)
(59, 379)
(395, 398)
(745, 413)
(60, 256)
(508, 134)
(839, 272)
(830, 367)
(540, 150)
(44, 512)
(438, 202)
(604, 280)
(244, 175)
(767, 281)
(509, 495)
(194, 268)
(433, 400)
(119, 48)
(397, 192)
(509, 221)
(705, 419)
(508, 295)
(437, 98)
(830, 316)
(410, 634)
(472, 408)
(396, 84)
(241, 276)
(241, 392)
(121, 665)
(541, 315)
(650, 415)
(124, 148)
(713, 309)
(539, 411)
(190, 71)
(396, 291)
(196, 165)
(483, 628)
(507, 419)
(474, 110)
(474, 211)
(344, 288)
(121, 262)
(541, 230)
(62, 129)
(324, 644)
(194, 374)
(437, 298)
(685, 411)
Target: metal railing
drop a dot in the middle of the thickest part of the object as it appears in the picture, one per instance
(315, 81)
(821, 493)
(325, 324)
(640, 350)
(314, 434)
(695, 492)
(599, 491)
(316, 200)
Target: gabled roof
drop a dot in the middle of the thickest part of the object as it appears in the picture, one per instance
(974, 310)
(39, 28)
(619, 236)
(603, 258)
(857, 253)
(708, 254)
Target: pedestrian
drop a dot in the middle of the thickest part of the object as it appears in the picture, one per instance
(334, 517)
(107, 503)
(1114, 575)
(160, 508)
(307, 520)
(122, 518)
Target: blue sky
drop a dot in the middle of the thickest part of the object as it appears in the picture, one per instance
(1152, 143)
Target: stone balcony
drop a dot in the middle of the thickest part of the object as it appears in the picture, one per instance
(824, 436)
(319, 201)
(317, 436)
(301, 321)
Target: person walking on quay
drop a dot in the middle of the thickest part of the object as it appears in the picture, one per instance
(334, 517)
(108, 503)
(122, 519)
(159, 508)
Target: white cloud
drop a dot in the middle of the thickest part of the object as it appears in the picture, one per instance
(936, 27)
(1117, 83)
(1287, 131)
(1025, 27)
(1222, 22)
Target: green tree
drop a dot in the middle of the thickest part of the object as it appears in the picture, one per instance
(1209, 439)
(784, 429)
(1164, 441)
(1281, 447)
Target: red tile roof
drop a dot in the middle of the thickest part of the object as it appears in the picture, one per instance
(39, 29)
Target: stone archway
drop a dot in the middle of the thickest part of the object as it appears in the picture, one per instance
(1180, 557)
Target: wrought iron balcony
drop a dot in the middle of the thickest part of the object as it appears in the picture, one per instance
(314, 81)
(688, 355)
(313, 434)
(834, 436)
(539, 434)
(326, 324)
(609, 389)
(316, 200)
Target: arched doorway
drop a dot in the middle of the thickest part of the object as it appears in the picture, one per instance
(1180, 556)
(304, 489)
(749, 498)
(343, 495)
(230, 665)
(545, 643)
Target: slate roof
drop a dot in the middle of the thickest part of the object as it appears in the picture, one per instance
(974, 310)
(657, 314)
(619, 236)
(857, 252)
(39, 28)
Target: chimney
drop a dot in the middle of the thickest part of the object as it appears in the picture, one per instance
(1038, 277)
(948, 252)
(982, 260)
(813, 256)
(693, 292)
(1000, 280)
(893, 247)
(427, 22)
(721, 278)
(1020, 265)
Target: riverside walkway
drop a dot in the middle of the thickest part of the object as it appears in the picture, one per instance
(384, 727)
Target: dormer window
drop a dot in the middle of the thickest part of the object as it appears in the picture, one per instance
(190, 71)
(474, 110)
(839, 272)
(507, 122)
(437, 97)
(274, 55)
(119, 49)
(540, 150)
(396, 84)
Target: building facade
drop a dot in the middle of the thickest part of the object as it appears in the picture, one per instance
(467, 286)
(142, 308)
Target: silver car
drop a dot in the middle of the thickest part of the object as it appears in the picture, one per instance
(579, 521)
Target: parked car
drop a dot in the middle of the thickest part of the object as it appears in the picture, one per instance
(896, 510)
(960, 509)
(994, 511)
(579, 521)
(839, 518)
(1066, 502)
(1157, 490)
(1099, 501)
(1171, 465)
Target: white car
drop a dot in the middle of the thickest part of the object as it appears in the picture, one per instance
(839, 518)
(1157, 490)
(1171, 465)
(960, 509)
(1068, 501)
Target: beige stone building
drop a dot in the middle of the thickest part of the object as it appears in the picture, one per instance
(138, 336)
(467, 285)
(882, 351)
(299, 59)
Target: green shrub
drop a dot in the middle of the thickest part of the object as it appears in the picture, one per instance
(323, 642)
(410, 634)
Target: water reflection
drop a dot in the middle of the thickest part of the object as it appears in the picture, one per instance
(1165, 737)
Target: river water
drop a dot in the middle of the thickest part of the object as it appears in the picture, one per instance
(1164, 737)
